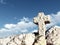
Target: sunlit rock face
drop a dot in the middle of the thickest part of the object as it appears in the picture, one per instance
(53, 35)
(41, 20)
(42, 37)
(23, 39)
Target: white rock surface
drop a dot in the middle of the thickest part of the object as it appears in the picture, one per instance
(41, 20)
(53, 35)
(23, 39)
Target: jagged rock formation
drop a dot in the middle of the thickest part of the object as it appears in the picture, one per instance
(42, 37)
(23, 39)
(53, 36)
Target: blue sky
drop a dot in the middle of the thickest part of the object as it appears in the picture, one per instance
(13, 12)
(9, 9)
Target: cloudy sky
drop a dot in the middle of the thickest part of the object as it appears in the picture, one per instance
(16, 16)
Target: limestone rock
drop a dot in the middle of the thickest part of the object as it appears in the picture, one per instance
(53, 35)
(40, 41)
(41, 20)
(42, 37)
(23, 39)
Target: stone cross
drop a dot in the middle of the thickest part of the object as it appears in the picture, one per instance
(41, 20)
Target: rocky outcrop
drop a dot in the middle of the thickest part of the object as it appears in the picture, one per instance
(23, 39)
(42, 37)
(53, 35)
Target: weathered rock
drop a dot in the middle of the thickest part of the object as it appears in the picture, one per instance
(38, 38)
(41, 20)
(53, 35)
(23, 39)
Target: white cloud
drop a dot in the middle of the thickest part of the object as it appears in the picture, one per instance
(55, 19)
(35, 30)
(9, 26)
(26, 25)
(20, 27)
(25, 30)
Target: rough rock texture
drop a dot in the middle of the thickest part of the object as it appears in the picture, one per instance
(53, 35)
(23, 39)
(41, 20)
(42, 37)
